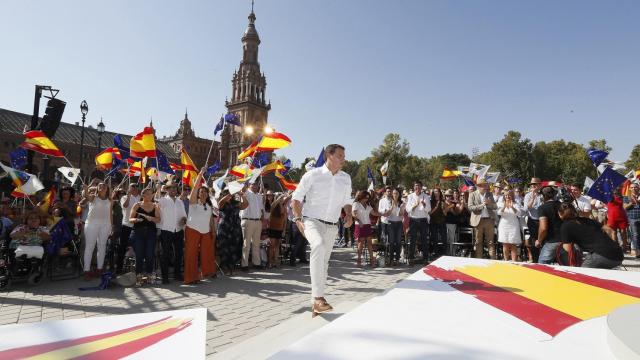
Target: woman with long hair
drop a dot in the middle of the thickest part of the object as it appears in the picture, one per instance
(199, 234)
(97, 226)
(361, 213)
(229, 232)
(437, 225)
(510, 212)
(392, 208)
(144, 216)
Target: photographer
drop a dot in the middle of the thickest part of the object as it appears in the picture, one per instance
(602, 251)
(549, 228)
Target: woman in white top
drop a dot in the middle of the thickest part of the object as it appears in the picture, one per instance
(509, 226)
(363, 232)
(391, 208)
(97, 226)
(199, 234)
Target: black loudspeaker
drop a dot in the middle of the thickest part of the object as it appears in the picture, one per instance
(52, 117)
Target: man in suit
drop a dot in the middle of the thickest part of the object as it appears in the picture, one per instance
(483, 218)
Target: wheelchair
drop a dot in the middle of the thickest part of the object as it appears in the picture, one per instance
(20, 267)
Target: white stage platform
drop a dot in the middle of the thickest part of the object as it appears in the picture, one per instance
(481, 309)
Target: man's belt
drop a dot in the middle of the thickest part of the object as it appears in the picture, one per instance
(322, 221)
(250, 219)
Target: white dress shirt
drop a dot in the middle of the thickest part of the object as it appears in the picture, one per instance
(127, 211)
(255, 208)
(171, 212)
(362, 213)
(385, 205)
(421, 211)
(323, 193)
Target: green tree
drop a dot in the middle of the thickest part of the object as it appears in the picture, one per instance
(393, 149)
(600, 144)
(633, 163)
(512, 156)
(563, 161)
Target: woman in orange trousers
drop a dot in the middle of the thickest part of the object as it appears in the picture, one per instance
(199, 235)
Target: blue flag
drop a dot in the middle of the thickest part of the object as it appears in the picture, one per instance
(467, 181)
(320, 160)
(287, 167)
(597, 156)
(370, 176)
(261, 159)
(232, 119)
(124, 150)
(163, 163)
(60, 235)
(213, 168)
(602, 189)
(18, 158)
(219, 127)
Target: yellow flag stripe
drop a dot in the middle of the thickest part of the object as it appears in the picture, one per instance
(575, 298)
(102, 344)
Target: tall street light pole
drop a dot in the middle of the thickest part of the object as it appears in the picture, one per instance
(100, 128)
(84, 109)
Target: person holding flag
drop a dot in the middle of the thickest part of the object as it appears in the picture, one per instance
(199, 234)
(98, 225)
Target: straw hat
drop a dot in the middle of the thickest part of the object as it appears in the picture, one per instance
(535, 180)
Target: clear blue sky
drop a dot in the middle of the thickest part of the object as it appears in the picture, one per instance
(446, 75)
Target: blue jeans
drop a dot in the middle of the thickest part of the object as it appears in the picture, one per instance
(548, 253)
(394, 234)
(634, 227)
(594, 260)
(144, 244)
(419, 230)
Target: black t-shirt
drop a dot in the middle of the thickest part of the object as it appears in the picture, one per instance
(549, 210)
(588, 234)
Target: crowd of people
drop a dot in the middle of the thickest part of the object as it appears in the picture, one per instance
(196, 232)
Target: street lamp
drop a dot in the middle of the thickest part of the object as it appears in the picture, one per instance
(84, 109)
(100, 128)
(268, 129)
(248, 130)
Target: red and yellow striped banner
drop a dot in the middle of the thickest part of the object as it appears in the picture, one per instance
(111, 345)
(548, 299)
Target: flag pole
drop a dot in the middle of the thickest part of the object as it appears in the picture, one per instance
(206, 162)
(79, 175)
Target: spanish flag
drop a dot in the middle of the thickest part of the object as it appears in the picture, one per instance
(48, 199)
(273, 141)
(143, 144)
(241, 171)
(249, 151)
(289, 185)
(189, 170)
(273, 166)
(544, 297)
(37, 141)
(449, 174)
(104, 160)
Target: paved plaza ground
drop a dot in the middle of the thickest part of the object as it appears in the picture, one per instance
(239, 307)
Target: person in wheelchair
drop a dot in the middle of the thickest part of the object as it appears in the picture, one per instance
(27, 243)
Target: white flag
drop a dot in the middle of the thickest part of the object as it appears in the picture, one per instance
(310, 165)
(31, 186)
(70, 173)
(219, 183)
(492, 177)
(255, 175)
(479, 169)
(234, 187)
(384, 170)
(588, 182)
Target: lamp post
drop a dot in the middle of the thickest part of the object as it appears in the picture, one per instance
(84, 109)
(100, 128)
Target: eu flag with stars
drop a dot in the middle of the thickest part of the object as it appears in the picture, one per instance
(163, 163)
(219, 127)
(232, 119)
(261, 159)
(597, 156)
(370, 176)
(60, 235)
(124, 150)
(213, 168)
(602, 189)
(287, 167)
(18, 158)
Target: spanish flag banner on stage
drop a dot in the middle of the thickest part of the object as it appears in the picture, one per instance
(143, 144)
(273, 141)
(289, 185)
(249, 151)
(37, 141)
(547, 298)
(189, 170)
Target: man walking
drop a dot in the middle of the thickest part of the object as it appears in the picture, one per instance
(483, 218)
(325, 191)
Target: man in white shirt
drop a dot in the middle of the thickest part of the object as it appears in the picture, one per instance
(251, 218)
(418, 207)
(325, 191)
(126, 202)
(581, 202)
(172, 222)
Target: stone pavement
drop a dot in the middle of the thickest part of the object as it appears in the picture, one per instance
(239, 307)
